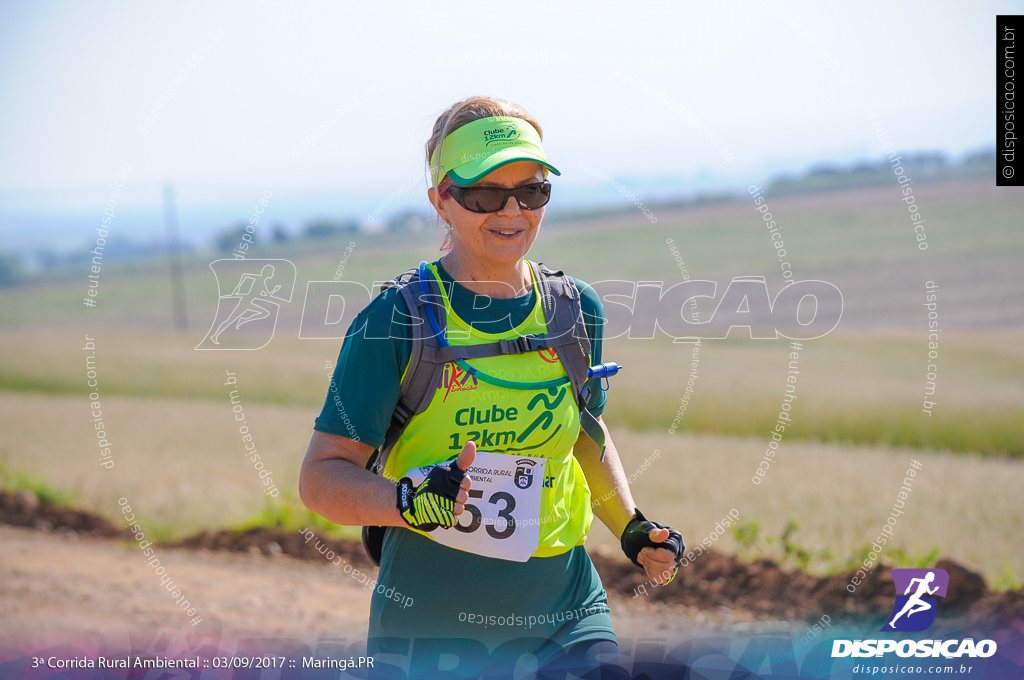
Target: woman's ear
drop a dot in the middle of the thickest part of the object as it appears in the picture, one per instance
(435, 200)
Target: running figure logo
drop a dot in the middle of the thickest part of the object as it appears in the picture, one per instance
(258, 287)
(914, 611)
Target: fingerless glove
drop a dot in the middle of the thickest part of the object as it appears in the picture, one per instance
(431, 504)
(637, 536)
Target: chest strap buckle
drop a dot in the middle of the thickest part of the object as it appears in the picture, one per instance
(522, 344)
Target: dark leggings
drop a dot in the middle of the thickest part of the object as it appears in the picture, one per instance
(590, 660)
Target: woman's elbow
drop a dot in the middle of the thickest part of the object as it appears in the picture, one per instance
(307, 486)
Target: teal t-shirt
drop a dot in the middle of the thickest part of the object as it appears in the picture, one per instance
(367, 378)
(543, 603)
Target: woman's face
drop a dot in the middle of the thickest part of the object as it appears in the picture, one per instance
(499, 239)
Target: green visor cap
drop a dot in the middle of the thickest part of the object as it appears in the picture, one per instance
(484, 145)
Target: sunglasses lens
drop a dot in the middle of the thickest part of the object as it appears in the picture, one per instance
(484, 200)
(488, 200)
(534, 196)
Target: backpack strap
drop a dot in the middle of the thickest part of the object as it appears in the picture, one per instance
(520, 345)
(566, 333)
(563, 311)
(564, 315)
(425, 367)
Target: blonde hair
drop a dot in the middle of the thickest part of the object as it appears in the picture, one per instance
(460, 113)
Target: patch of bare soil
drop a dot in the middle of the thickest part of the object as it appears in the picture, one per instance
(42, 579)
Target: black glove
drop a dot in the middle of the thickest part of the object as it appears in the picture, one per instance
(431, 504)
(636, 537)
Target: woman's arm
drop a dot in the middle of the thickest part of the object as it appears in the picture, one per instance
(613, 503)
(335, 484)
(609, 490)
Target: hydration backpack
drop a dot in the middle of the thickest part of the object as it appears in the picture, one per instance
(567, 335)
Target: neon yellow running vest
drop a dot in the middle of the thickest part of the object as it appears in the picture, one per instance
(543, 423)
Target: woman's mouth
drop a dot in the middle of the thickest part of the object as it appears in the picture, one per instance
(507, 234)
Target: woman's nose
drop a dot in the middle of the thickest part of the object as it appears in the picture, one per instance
(506, 210)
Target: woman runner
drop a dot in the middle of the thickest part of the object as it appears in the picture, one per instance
(492, 561)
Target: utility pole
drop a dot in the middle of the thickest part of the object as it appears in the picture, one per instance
(175, 267)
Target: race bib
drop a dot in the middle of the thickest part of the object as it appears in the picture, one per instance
(502, 515)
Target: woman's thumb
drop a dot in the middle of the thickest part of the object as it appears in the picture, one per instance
(468, 455)
(659, 535)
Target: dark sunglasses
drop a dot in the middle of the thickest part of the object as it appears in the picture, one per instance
(493, 199)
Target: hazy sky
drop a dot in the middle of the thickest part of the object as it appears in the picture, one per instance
(727, 89)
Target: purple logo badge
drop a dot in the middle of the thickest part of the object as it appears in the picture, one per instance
(914, 610)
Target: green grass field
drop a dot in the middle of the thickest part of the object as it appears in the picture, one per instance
(857, 420)
(181, 465)
(859, 389)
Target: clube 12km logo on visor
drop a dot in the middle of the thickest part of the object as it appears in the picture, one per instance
(913, 612)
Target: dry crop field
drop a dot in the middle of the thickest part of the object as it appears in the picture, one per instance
(856, 425)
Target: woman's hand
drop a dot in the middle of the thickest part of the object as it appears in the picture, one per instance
(659, 563)
(655, 547)
(440, 498)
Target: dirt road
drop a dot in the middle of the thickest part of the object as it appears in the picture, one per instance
(59, 588)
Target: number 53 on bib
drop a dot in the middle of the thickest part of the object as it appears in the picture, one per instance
(502, 516)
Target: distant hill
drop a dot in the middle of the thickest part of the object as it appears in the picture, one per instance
(920, 166)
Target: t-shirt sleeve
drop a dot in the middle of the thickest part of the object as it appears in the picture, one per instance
(593, 319)
(366, 382)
